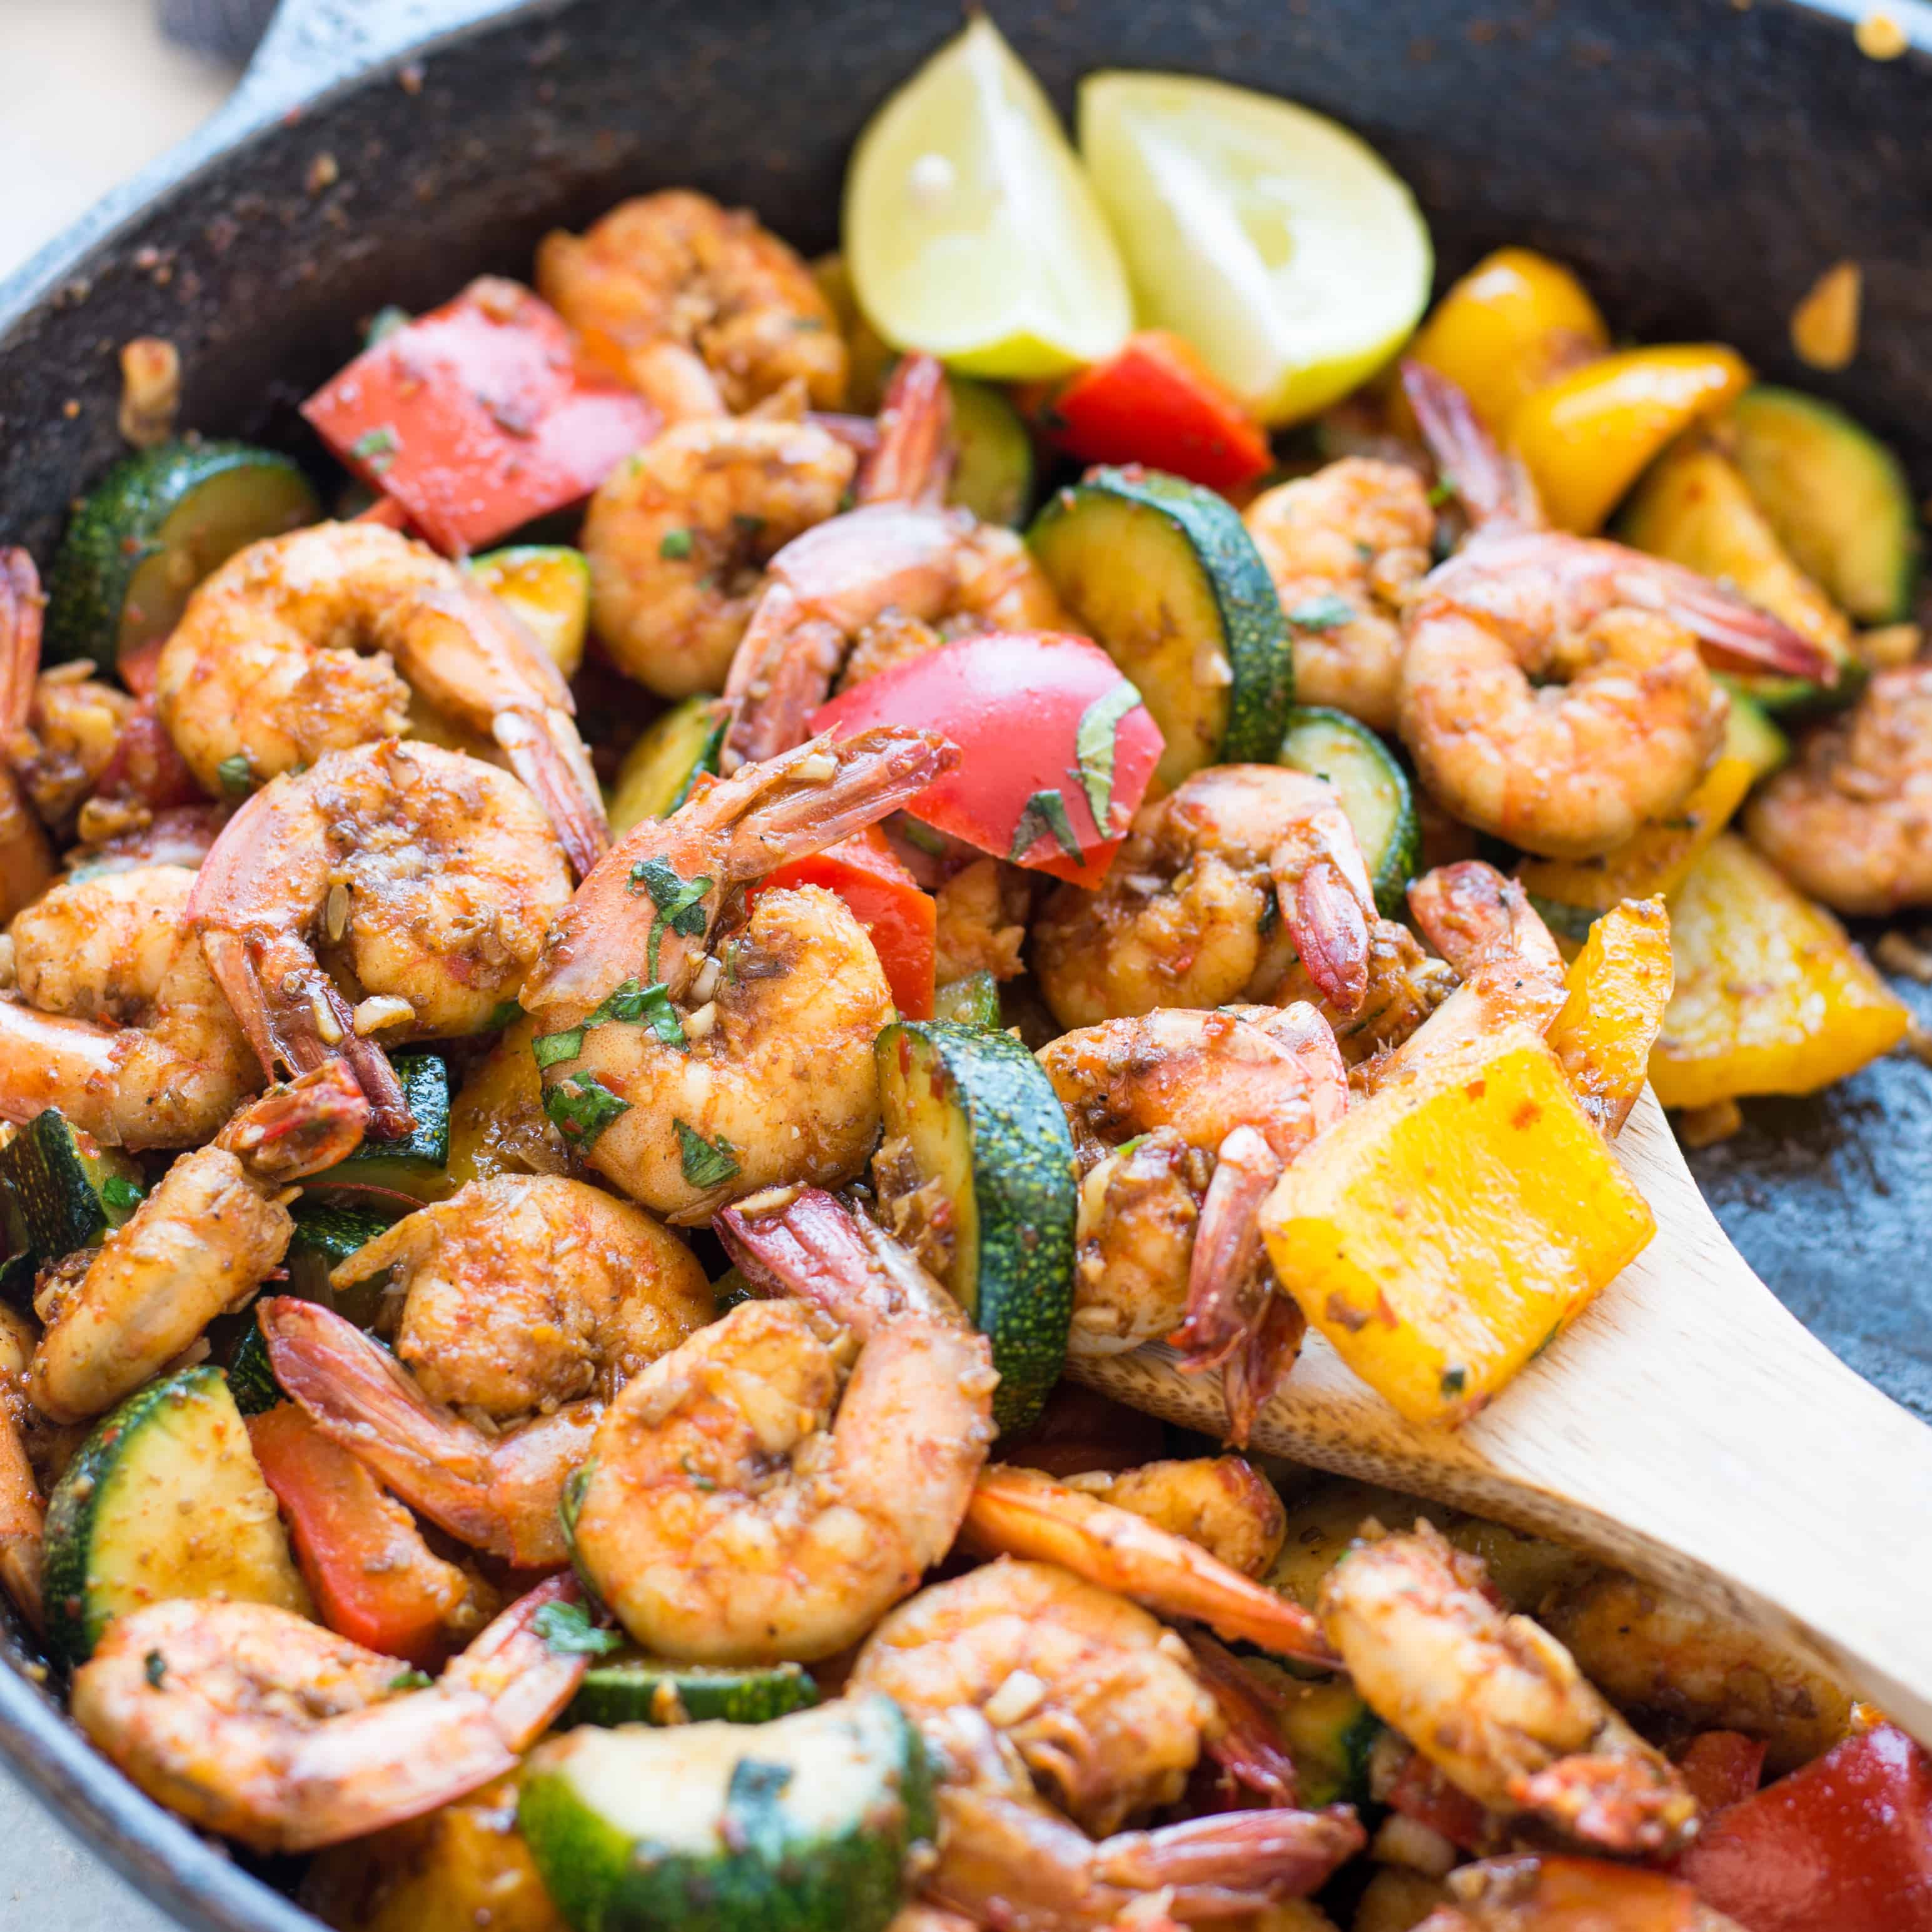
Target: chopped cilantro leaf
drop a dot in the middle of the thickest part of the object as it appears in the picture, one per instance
(121, 1194)
(413, 1680)
(236, 774)
(580, 1107)
(674, 545)
(1321, 613)
(1045, 812)
(704, 1165)
(568, 1630)
(376, 447)
(155, 1666)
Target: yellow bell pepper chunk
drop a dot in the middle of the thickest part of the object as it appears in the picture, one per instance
(1515, 322)
(1441, 1233)
(548, 587)
(1657, 857)
(1695, 509)
(1772, 996)
(1587, 436)
(1615, 996)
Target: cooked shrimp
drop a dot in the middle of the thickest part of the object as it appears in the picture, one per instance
(198, 1246)
(1054, 1709)
(1184, 917)
(980, 921)
(1484, 924)
(1346, 548)
(1554, 691)
(265, 672)
(68, 739)
(1547, 1894)
(524, 1293)
(1406, 985)
(1167, 1241)
(1850, 820)
(22, 1507)
(1494, 1700)
(1019, 1512)
(255, 1722)
(528, 1302)
(120, 1023)
(497, 1492)
(760, 1069)
(738, 1506)
(894, 578)
(26, 860)
(1221, 1502)
(697, 306)
(679, 535)
(430, 875)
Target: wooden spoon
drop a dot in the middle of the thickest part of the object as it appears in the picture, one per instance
(1687, 1428)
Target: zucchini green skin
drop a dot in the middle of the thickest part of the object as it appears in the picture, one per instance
(251, 1378)
(972, 1000)
(67, 1190)
(1330, 1732)
(1838, 499)
(162, 1500)
(660, 768)
(201, 501)
(327, 1233)
(1164, 576)
(1374, 789)
(982, 1121)
(636, 1689)
(416, 1164)
(760, 1861)
(994, 474)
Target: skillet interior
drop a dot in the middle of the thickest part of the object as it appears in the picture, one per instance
(1698, 161)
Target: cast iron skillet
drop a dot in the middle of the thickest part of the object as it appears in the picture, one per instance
(1700, 161)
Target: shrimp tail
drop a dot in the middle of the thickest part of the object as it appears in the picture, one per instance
(913, 462)
(23, 1523)
(1328, 918)
(1018, 1512)
(1231, 1287)
(546, 753)
(780, 675)
(1485, 926)
(1495, 488)
(1248, 1749)
(511, 1665)
(299, 1129)
(1736, 635)
(22, 602)
(1234, 1861)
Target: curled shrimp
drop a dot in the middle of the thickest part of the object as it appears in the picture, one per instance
(199, 1245)
(1484, 925)
(1221, 1502)
(253, 1722)
(679, 535)
(1211, 1106)
(22, 1505)
(431, 876)
(1057, 1711)
(1357, 532)
(267, 667)
(26, 859)
(119, 1022)
(747, 1499)
(1185, 916)
(528, 1300)
(1493, 1700)
(886, 581)
(697, 306)
(1849, 821)
(759, 1070)
(1554, 688)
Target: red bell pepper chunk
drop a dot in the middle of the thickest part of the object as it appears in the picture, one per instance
(478, 416)
(1056, 747)
(1157, 402)
(1843, 1845)
(374, 1578)
(885, 898)
(1722, 1768)
(385, 511)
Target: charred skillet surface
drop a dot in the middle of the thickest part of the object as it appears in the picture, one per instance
(1699, 165)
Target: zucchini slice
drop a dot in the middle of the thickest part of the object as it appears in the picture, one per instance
(972, 1001)
(659, 769)
(418, 1164)
(1694, 507)
(976, 1173)
(803, 1824)
(251, 1376)
(1375, 792)
(1837, 499)
(327, 1233)
(164, 1500)
(638, 1690)
(153, 527)
(1329, 1732)
(994, 474)
(1163, 576)
(63, 1190)
(548, 587)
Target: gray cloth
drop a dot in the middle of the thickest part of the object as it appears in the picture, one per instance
(228, 28)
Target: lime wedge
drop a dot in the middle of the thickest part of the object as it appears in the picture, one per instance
(971, 230)
(1276, 242)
